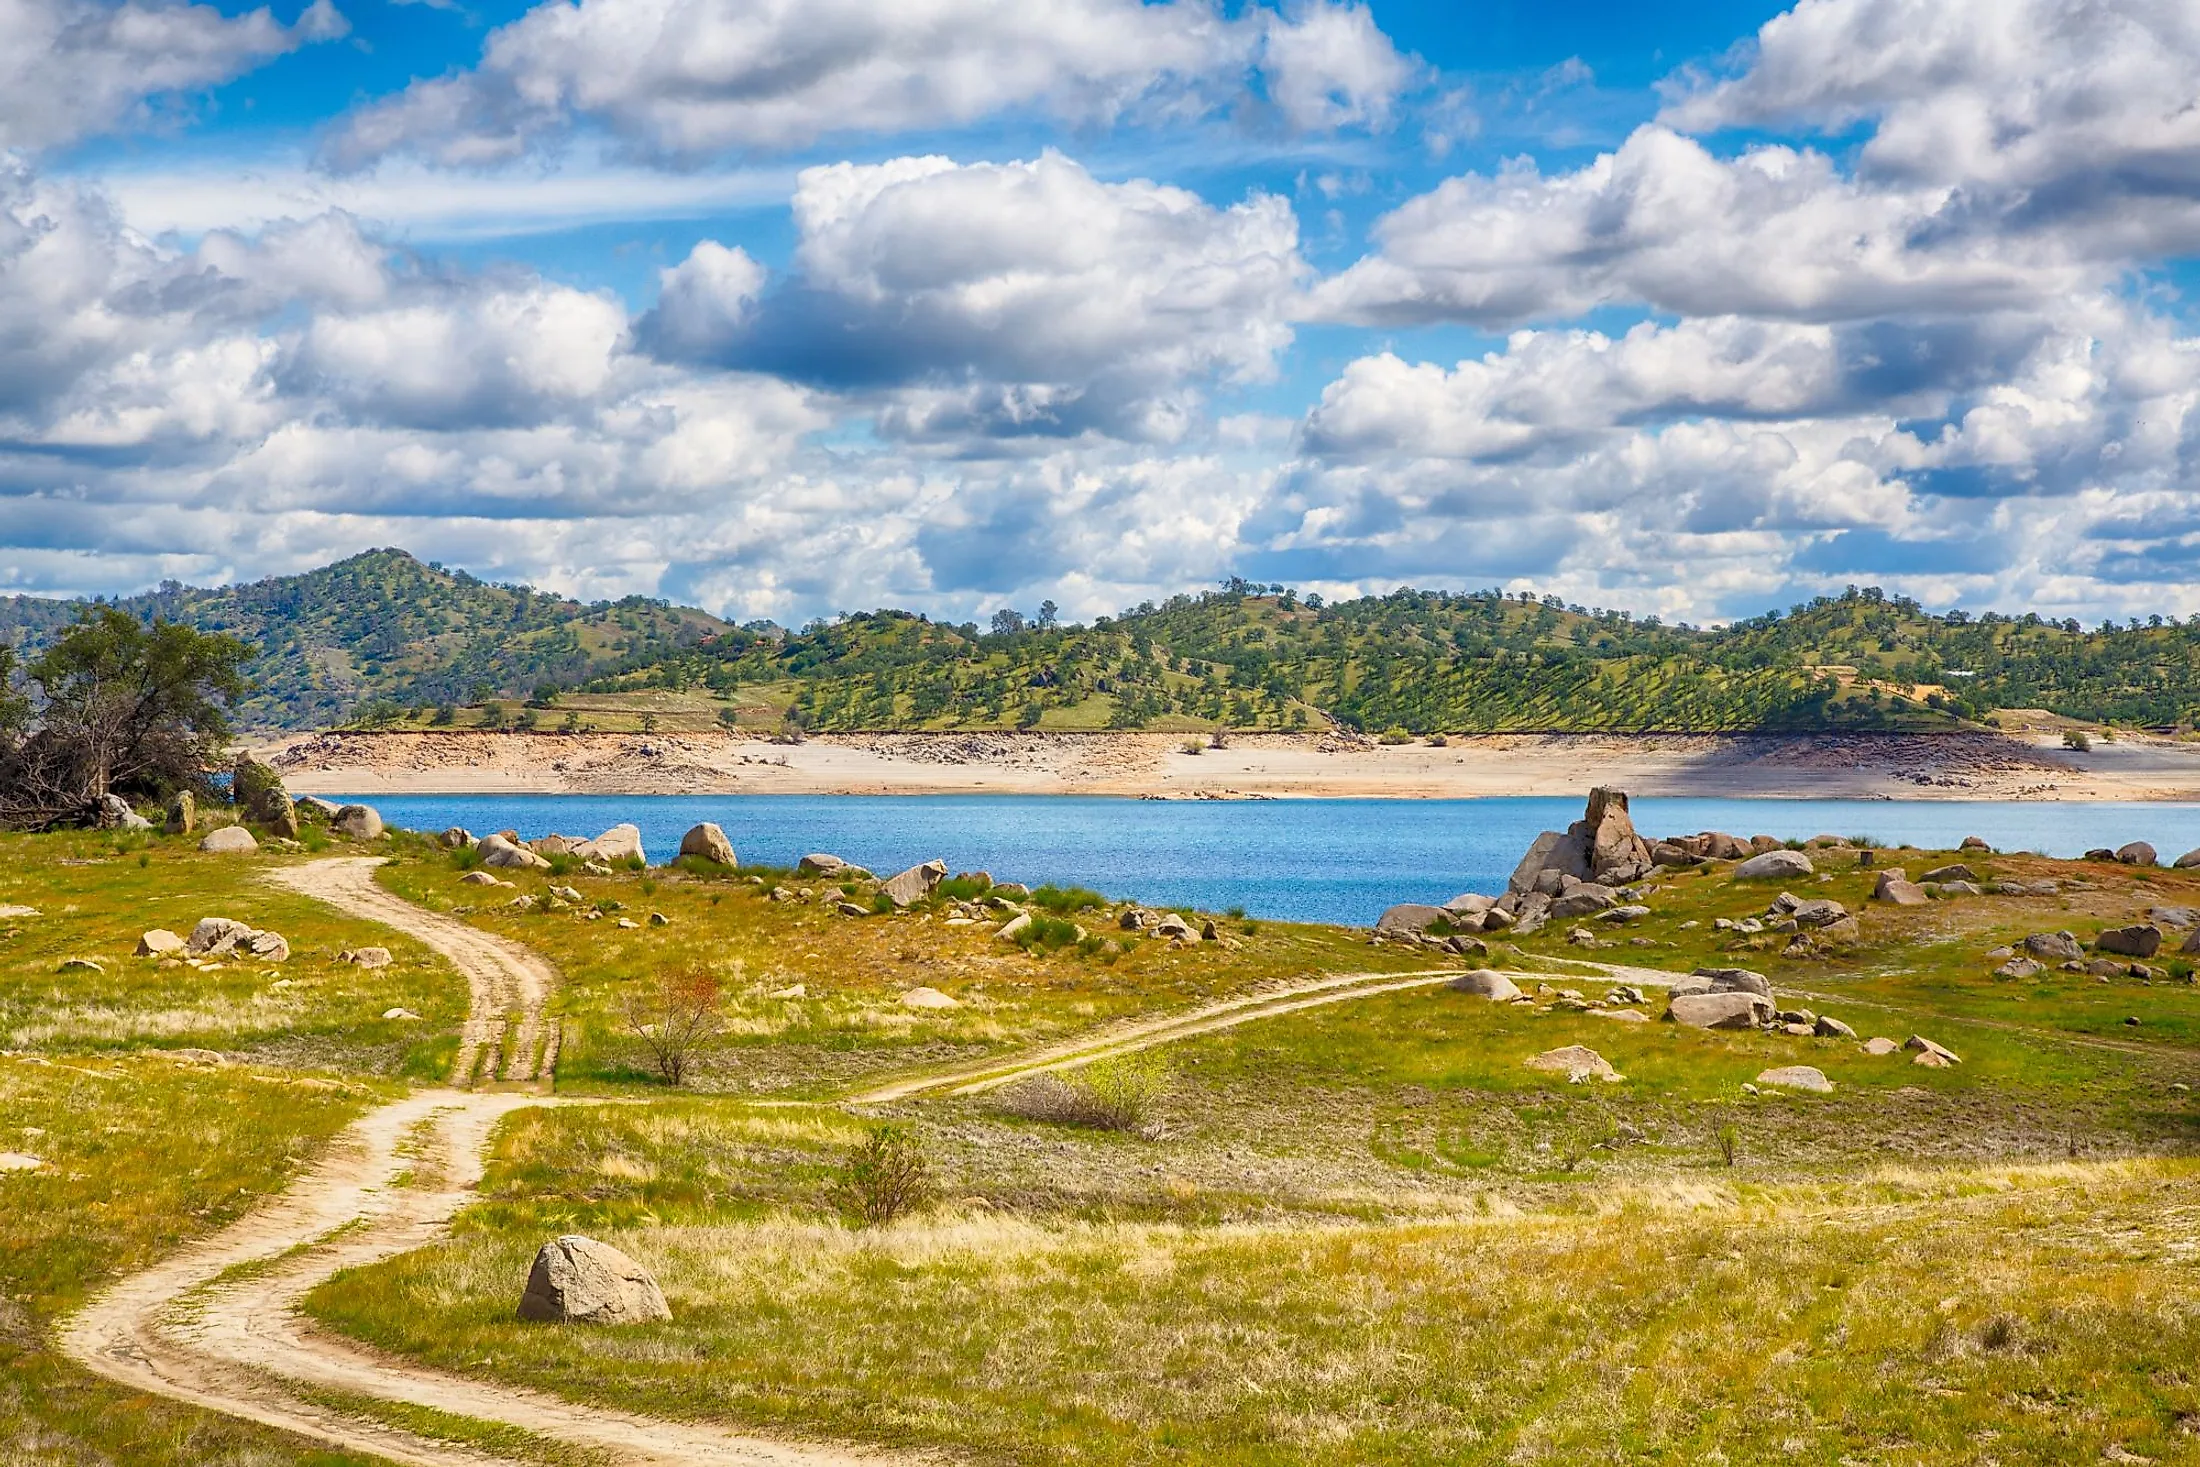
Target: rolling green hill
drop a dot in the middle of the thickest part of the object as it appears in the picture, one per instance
(382, 638)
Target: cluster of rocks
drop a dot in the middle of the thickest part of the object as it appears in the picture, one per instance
(215, 938)
(2118, 952)
(1814, 926)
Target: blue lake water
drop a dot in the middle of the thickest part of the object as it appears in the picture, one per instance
(1297, 860)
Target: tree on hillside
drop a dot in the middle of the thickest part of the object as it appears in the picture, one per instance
(116, 706)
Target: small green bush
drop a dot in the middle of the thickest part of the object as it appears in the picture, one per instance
(884, 1177)
(1048, 934)
(962, 888)
(1067, 899)
(1120, 1093)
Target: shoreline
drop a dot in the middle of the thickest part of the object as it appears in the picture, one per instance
(1880, 767)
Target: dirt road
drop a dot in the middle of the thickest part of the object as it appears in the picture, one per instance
(509, 986)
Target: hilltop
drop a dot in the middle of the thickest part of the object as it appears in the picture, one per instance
(384, 640)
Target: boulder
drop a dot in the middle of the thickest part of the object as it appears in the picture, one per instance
(1976, 843)
(457, 838)
(2020, 968)
(1759, 844)
(1465, 946)
(81, 965)
(183, 814)
(1173, 925)
(229, 840)
(706, 842)
(480, 878)
(115, 814)
(365, 957)
(2137, 853)
(358, 822)
(1010, 930)
(1409, 919)
(1577, 1062)
(216, 936)
(1666, 853)
(1582, 898)
(1633, 912)
(1896, 888)
(578, 1280)
(2187, 861)
(1469, 904)
(1818, 912)
(1719, 1010)
(618, 844)
(313, 807)
(496, 851)
(1775, 865)
(2173, 916)
(1954, 871)
(1617, 854)
(1879, 1046)
(159, 943)
(1924, 1046)
(1797, 1077)
(2140, 940)
(1735, 980)
(268, 947)
(260, 797)
(1720, 846)
(1952, 888)
(2053, 947)
(817, 863)
(928, 998)
(915, 884)
(2191, 944)
(1493, 986)
(1555, 851)
(1825, 1026)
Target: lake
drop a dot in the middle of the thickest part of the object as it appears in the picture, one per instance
(1295, 860)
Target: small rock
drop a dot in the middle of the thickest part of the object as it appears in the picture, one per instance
(159, 943)
(18, 1161)
(1955, 872)
(817, 863)
(229, 840)
(1880, 1046)
(2053, 947)
(2020, 968)
(659, 919)
(1014, 927)
(81, 965)
(365, 957)
(1797, 1077)
(928, 998)
(852, 909)
(1926, 1046)
(399, 1014)
(1828, 1027)
(478, 878)
(798, 990)
(1577, 1062)
(1975, 843)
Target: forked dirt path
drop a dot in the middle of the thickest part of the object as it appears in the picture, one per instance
(504, 1037)
(218, 1325)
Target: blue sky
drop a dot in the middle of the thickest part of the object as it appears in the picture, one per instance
(795, 308)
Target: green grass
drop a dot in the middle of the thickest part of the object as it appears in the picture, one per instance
(94, 900)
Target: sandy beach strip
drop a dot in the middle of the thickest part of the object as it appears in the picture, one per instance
(1283, 766)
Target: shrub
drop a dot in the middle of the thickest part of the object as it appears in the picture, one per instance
(962, 888)
(1047, 934)
(678, 1015)
(882, 904)
(2075, 738)
(1394, 735)
(1067, 899)
(465, 858)
(1116, 1094)
(1729, 1141)
(1194, 746)
(884, 1177)
(1438, 741)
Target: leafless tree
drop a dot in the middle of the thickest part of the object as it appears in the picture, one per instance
(678, 1015)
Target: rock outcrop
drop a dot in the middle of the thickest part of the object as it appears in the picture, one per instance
(578, 1280)
(619, 843)
(915, 884)
(496, 851)
(261, 798)
(1601, 847)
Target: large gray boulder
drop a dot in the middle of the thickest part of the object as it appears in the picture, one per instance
(619, 843)
(1817, 912)
(496, 851)
(1896, 887)
(1778, 864)
(706, 842)
(1797, 1077)
(2188, 860)
(915, 884)
(1735, 980)
(1580, 898)
(358, 822)
(1719, 1010)
(578, 1280)
(1577, 1062)
(1493, 986)
(229, 840)
(2138, 853)
(2140, 940)
(2054, 947)
(818, 863)
(1409, 919)
(261, 798)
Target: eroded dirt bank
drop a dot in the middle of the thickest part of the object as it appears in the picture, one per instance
(1962, 766)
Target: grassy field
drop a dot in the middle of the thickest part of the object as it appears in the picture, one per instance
(814, 995)
(1361, 1233)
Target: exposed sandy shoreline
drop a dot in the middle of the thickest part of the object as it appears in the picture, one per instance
(1959, 767)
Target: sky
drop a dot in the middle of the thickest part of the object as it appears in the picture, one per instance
(787, 308)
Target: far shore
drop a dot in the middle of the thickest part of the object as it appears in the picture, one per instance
(1248, 766)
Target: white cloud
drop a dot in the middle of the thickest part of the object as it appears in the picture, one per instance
(73, 68)
(690, 78)
(1017, 298)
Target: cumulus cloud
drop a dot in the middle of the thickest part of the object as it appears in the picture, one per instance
(73, 68)
(1015, 298)
(690, 78)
